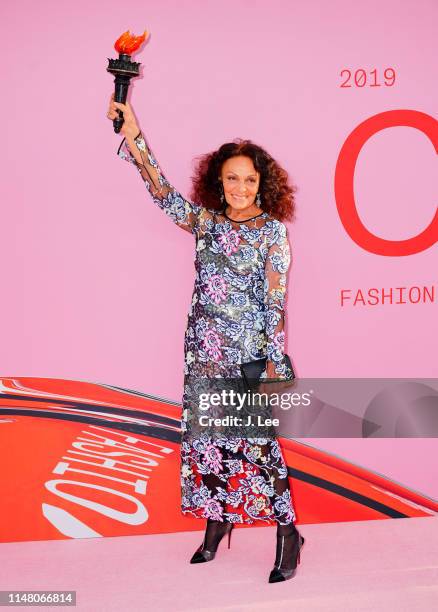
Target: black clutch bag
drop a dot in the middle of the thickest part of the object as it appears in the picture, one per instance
(252, 370)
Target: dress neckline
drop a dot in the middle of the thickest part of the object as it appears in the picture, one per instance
(241, 220)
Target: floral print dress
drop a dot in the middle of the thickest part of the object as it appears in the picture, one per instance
(236, 315)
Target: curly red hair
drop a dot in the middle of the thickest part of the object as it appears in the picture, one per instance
(277, 195)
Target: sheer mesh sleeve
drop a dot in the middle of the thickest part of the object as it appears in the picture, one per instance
(276, 267)
(181, 211)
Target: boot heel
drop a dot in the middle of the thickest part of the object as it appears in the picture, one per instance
(299, 551)
(229, 535)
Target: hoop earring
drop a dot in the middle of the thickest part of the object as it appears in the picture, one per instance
(258, 201)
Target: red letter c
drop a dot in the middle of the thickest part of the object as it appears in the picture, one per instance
(344, 180)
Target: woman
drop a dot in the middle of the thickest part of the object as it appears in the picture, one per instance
(236, 316)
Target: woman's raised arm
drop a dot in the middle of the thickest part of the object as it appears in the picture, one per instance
(136, 150)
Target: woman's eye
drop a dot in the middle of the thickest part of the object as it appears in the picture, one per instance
(233, 178)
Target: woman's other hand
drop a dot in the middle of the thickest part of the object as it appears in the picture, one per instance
(130, 127)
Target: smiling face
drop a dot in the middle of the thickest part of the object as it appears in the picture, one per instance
(241, 182)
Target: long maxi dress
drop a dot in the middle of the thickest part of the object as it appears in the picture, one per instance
(236, 316)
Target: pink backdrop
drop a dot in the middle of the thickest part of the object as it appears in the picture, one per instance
(97, 281)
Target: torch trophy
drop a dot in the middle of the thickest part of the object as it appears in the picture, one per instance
(124, 69)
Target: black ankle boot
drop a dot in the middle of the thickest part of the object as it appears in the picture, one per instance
(214, 533)
(287, 555)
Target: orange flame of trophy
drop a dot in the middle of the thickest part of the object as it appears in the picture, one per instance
(124, 69)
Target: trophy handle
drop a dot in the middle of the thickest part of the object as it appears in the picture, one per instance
(121, 85)
(118, 121)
